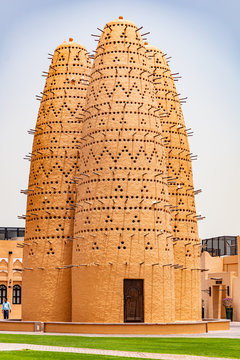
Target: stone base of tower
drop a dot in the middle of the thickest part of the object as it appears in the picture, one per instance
(122, 294)
(46, 297)
(121, 329)
(197, 327)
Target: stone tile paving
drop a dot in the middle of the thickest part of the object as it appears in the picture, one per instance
(142, 355)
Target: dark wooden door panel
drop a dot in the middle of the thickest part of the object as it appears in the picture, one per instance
(133, 300)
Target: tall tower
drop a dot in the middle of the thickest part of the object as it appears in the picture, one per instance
(51, 190)
(187, 245)
(123, 249)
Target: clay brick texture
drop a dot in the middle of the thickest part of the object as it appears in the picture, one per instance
(110, 195)
(187, 245)
(52, 189)
(122, 225)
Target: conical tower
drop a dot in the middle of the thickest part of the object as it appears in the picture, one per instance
(123, 250)
(51, 191)
(187, 245)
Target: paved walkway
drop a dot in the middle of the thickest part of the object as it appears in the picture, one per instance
(233, 333)
(12, 347)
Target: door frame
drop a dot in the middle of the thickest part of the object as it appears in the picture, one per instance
(124, 301)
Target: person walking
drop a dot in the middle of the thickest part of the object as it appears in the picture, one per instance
(6, 307)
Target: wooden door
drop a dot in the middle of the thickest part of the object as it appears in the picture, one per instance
(216, 302)
(133, 300)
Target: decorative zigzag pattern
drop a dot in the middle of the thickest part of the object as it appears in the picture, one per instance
(181, 190)
(122, 195)
(51, 188)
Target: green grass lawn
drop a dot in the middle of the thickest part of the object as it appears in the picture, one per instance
(37, 355)
(188, 346)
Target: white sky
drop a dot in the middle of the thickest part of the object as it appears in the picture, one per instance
(202, 36)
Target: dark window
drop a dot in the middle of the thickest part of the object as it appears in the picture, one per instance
(11, 232)
(215, 247)
(3, 293)
(16, 294)
(21, 232)
(2, 233)
(220, 246)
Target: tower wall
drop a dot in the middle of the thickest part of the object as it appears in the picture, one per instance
(122, 226)
(187, 246)
(47, 292)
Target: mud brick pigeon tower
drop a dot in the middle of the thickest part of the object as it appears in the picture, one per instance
(123, 249)
(52, 187)
(187, 245)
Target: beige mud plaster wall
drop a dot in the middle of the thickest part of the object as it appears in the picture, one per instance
(52, 187)
(122, 225)
(219, 292)
(230, 263)
(213, 304)
(212, 264)
(187, 245)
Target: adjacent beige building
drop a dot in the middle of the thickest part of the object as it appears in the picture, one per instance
(11, 240)
(220, 280)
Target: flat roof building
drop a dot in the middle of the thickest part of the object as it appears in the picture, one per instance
(11, 253)
(221, 279)
(220, 245)
(7, 233)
